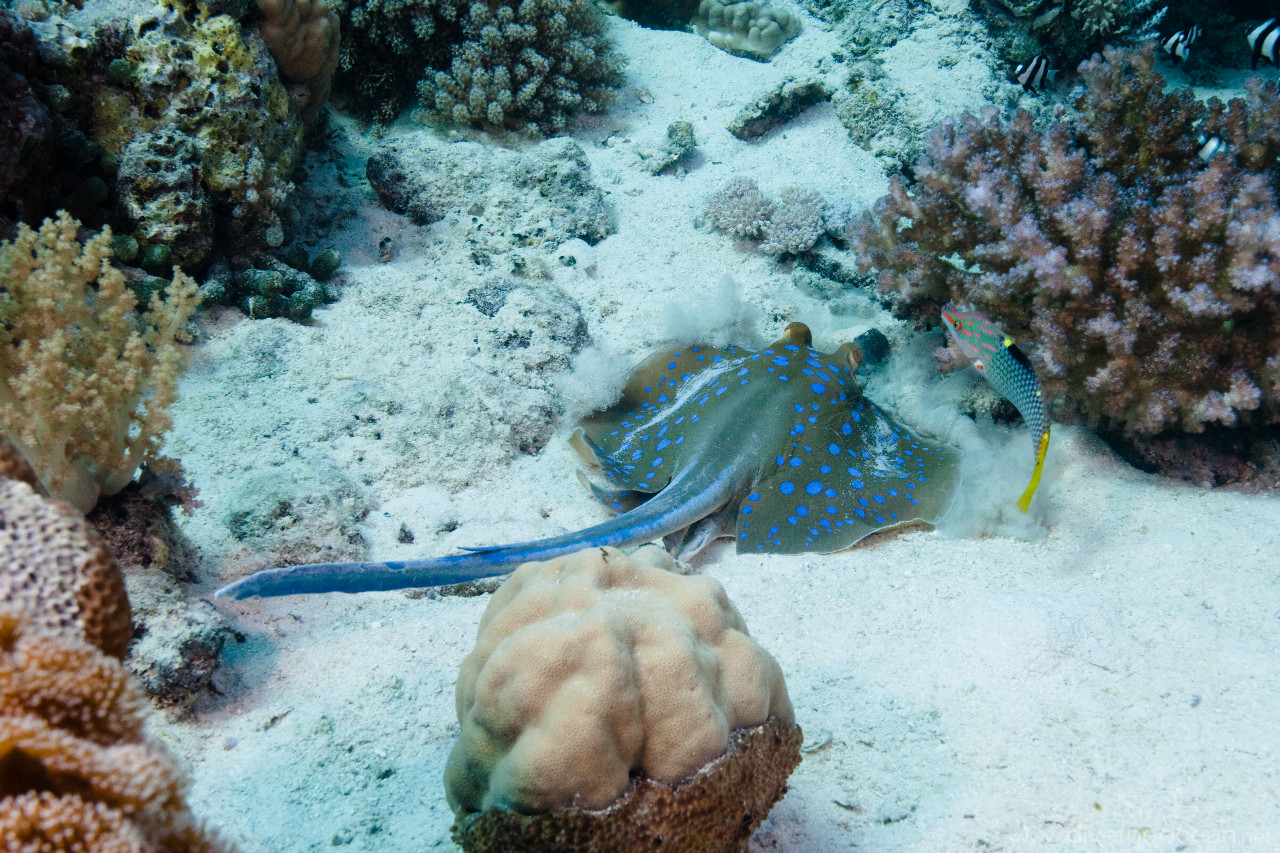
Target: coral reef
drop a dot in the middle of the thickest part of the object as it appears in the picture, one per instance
(789, 226)
(303, 36)
(76, 770)
(54, 566)
(85, 382)
(752, 27)
(595, 670)
(198, 99)
(387, 47)
(1145, 278)
(528, 67)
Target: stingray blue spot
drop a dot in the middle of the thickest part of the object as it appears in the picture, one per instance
(808, 449)
(806, 371)
(796, 461)
(813, 488)
(781, 460)
(861, 513)
(754, 496)
(679, 441)
(864, 502)
(786, 487)
(648, 388)
(616, 506)
(625, 446)
(833, 449)
(818, 388)
(799, 408)
(879, 520)
(824, 522)
(831, 493)
(742, 536)
(672, 365)
(824, 377)
(812, 532)
(692, 420)
(831, 510)
(802, 510)
(655, 463)
(825, 469)
(744, 382)
(854, 472)
(791, 347)
(637, 454)
(662, 399)
(649, 476)
(685, 377)
(615, 432)
(744, 371)
(781, 361)
(792, 519)
(782, 377)
(717, 358)
(678, 420)
(746, 510)
(773, 531)
(857, 484)
(893, 493)
(877, 499)
(799, 428)
(695, 349)
(702, 358)
(768, 352)
(847, 429)
(722, 390)
(857, 418)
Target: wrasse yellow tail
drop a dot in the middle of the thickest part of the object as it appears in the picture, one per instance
(1008, 369)
(1024, 502)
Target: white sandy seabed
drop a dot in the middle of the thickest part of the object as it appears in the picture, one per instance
(1100, 675)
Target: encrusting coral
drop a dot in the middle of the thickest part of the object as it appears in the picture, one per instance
(1145, 274)
(85, 380)
(76, 770)
(600, 686)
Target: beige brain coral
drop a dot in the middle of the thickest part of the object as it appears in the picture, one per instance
(56, 569)
(76, 771)
(596, 670)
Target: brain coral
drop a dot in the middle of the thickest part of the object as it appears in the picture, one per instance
(54, 566)
(76, 772)
(595, 670)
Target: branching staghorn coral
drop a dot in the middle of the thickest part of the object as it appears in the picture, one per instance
(85, 382)
(1147, 280)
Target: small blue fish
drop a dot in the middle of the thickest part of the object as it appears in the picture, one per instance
(1008, 369)
(777, 448)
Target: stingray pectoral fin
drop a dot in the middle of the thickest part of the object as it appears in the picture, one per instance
(617, 500)
(857, 473)
(1024, 502)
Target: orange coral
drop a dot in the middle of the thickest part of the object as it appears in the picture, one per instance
(55, 568)
(76, 771)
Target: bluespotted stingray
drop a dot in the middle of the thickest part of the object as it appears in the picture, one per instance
(776, 448)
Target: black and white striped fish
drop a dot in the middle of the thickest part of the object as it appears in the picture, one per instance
(1262, 40)
(1209, 145)
(1032, 74)
(1179, 44)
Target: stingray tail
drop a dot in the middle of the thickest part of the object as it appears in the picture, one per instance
(672, 509)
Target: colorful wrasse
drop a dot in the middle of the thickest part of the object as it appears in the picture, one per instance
(1007, 368)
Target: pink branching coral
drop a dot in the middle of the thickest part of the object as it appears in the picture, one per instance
(1145, 279)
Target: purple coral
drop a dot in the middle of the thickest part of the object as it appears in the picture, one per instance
(1146, 280)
